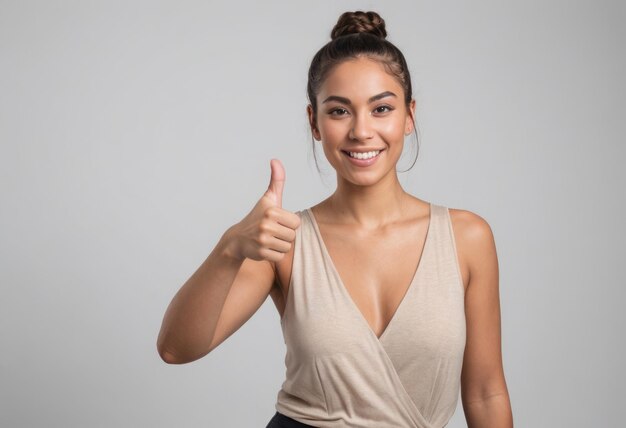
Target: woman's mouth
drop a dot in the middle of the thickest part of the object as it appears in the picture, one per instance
(363, 158)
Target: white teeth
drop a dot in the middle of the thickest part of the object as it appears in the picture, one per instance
(366, 155)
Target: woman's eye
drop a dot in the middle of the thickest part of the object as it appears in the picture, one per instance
(381, 109)
(338, 112)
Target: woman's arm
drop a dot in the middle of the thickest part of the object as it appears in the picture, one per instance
(234, 280)
(484, 392)
(223, 293)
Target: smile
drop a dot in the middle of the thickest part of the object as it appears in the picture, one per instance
(363, 158)
(364, 155)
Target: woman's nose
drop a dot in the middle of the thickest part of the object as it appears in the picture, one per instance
(361, 127)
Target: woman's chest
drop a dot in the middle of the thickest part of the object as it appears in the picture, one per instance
(374, 270)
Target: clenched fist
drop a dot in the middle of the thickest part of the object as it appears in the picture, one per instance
(268, 231)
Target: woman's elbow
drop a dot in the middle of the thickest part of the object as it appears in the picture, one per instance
(168, 357)
(173, 358)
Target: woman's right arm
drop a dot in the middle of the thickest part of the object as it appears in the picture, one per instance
(233, 281)
(189, 327)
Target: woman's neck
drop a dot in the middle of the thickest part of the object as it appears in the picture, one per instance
(369, 206)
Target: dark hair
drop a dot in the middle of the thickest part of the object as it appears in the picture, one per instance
(358, 34)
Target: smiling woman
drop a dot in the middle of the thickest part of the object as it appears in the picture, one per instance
(389, 304)
(359, 129)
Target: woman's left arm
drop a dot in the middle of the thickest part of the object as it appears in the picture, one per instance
(484, 392)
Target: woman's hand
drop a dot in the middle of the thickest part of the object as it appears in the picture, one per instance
(267, 232)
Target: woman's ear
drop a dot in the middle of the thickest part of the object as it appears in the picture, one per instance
(410, 118)
(314, 130)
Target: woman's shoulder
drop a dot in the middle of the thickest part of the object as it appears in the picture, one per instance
(470, 224)
(473, 237)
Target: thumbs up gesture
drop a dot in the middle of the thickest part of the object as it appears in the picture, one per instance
(267, 232)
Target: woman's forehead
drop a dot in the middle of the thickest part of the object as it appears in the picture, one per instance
(358, 80)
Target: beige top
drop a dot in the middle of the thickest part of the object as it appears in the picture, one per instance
(339, 374)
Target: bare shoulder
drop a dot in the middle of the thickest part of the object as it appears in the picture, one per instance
(470, 226)
(474, 239)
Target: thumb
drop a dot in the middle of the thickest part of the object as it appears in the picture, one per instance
(277, 182)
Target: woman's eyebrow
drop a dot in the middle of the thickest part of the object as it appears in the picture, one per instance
(344, 100)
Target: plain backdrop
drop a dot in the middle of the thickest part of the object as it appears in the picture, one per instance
(133, 133)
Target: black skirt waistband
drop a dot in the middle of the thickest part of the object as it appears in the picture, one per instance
(282, 421)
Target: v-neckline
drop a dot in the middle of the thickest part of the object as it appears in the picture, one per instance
(347, 293)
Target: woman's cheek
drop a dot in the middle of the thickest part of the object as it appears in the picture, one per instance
(333, 133)
(393, 130)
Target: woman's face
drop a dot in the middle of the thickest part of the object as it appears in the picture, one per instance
(361, 109)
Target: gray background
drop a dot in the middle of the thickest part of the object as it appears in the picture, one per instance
(132, 134)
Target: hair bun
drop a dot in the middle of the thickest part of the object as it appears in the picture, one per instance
(359, 22)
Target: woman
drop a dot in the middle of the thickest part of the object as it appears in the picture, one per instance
(389, 304)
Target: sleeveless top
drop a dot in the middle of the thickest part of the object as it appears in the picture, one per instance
(339, 373)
